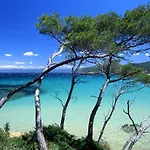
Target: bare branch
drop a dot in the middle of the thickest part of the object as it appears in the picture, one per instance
(137, 134)
(56, 96)
(39, 128)
(94, 96)
(46, 71)
(129, 115)
(110, 113)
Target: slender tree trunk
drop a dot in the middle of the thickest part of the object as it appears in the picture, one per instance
(131, 145)
(67, 102)
(94, 111)
(126, 144)
(39, 130)
(108, 117)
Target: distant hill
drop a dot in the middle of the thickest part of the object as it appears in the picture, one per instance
(91, 70)
(145, 66)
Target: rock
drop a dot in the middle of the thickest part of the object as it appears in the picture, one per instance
(129, 128)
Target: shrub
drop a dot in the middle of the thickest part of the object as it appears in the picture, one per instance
(66, 141)
(56, 138)
(7, 127)
(3, 139)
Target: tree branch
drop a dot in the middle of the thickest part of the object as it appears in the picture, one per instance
(135, 137)
(56, 96)
(129, 115)
(46, 71)
(109, 115)
(121, 78)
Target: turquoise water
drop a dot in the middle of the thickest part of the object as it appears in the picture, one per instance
(19, 110)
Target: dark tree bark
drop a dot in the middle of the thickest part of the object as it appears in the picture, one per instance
(94, 111)
(99, 100)
(138, 133)
(74, 81)
(67, 102)
(108, 117)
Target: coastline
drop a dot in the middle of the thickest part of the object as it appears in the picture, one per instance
(16, 134)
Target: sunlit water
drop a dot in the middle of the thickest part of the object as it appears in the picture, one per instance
(19, 111)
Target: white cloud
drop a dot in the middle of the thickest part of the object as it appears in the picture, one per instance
(81, 52)
(21, 67)
(30, 62)
(8, 55)
(147, 54)
(30, 54)
(66, 66)
(121, 54)
(19, 63)
(136, 54)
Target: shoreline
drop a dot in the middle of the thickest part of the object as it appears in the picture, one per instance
(110, 137)
(16, 134)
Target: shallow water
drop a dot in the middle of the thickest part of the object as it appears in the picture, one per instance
(19, 110)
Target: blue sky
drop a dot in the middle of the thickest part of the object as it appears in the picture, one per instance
(20, 43)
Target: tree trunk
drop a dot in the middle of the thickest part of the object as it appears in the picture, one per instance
(94, 111)
(126, 144)
(39, 130)
(109, 116)
(7, 96)
(131, 145)
(67, 102)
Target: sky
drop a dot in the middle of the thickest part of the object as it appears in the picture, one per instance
(21, 46)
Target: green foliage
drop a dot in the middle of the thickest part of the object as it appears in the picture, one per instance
(145, 66)
(137, 20)
(115, 68)
(3, 139)
(128, 69)
(137, 75)
(7, 127)
(105, 33)
(95, 145)
(65, 141)
(143, 78)
(50, 25)
(57, 139)
(30, 140)
(7, 143)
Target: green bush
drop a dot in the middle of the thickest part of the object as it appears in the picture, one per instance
(30, 140)
(3, 139)
(7, 127)
(15, 143)
(67, 141)
(57, 139)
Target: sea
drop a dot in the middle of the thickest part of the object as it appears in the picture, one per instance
(19, 110)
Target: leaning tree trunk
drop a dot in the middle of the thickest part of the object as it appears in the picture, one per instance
(39, 130)
(67, 102)
(94, 111)
(131, 146)
(109, 116)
